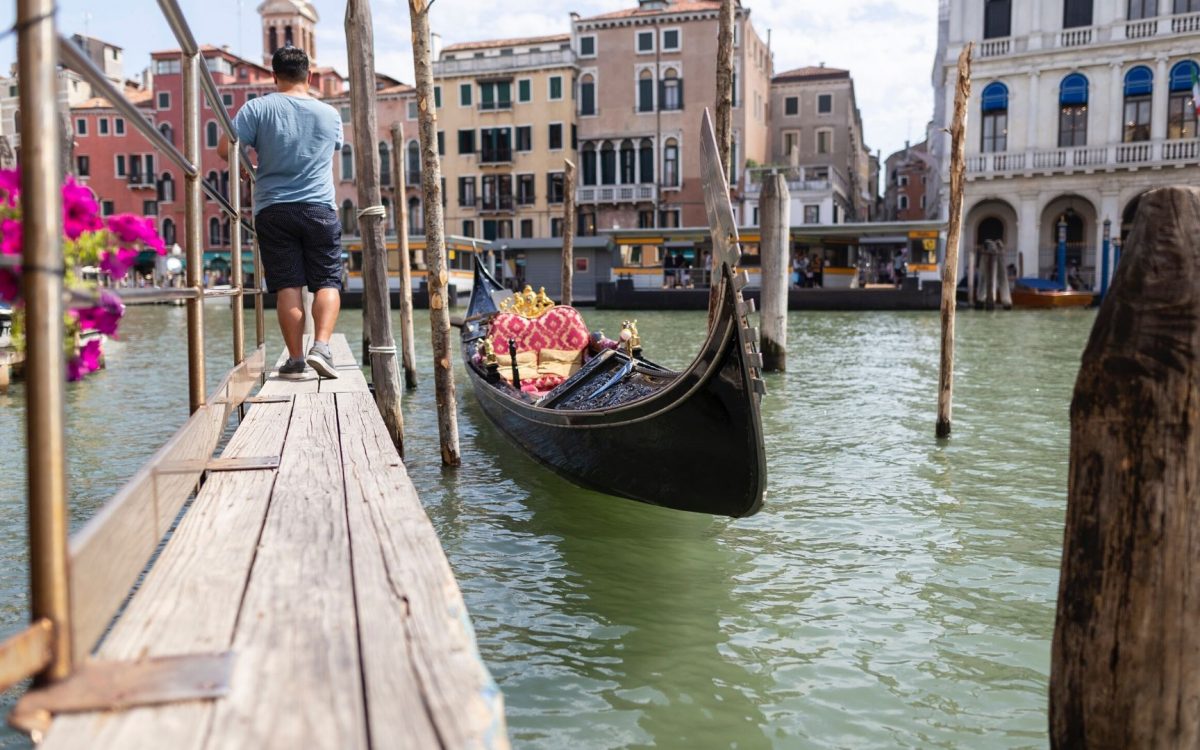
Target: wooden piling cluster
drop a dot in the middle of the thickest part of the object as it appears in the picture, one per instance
(435, 241)
(958, 127)
(1126, 650)
(385, 375)
(992, 287)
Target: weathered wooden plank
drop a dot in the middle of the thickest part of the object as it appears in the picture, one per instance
(297, 681)
(190, 599)
(111, 550)
(277, 386)
(413, 624)
(350, 376)
(26, 653)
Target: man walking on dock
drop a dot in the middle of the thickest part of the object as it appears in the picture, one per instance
(295, 138)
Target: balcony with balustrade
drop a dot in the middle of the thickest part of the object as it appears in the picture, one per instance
(809, 179)
(503, 63)
(596, 194)
(1085, 159)
(1120, 32)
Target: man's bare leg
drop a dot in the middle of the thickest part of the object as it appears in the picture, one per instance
(289, 306)
(326, 305)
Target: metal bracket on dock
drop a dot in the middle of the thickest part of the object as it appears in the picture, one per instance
(740, 280)
(745, 307)
(117, 685)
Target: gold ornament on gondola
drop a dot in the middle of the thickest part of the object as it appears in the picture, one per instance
(527, 304)
(629, 337)
(488, 352)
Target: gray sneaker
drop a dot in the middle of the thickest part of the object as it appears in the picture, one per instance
(293, 369)
(321, 359)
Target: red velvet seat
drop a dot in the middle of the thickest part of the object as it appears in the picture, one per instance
(560, 327)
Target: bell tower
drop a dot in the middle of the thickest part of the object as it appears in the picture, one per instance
(287, 22)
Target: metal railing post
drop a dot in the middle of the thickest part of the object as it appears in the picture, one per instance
(235, 245)
(193, 230)
(45, 367)
(260, 324)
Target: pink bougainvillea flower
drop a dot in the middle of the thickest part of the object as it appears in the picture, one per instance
(10, 185)
(88, 360)
(10, 237)
(81, 213)
(117, 263)
(10, 285)
(129, 229)
(104, 317)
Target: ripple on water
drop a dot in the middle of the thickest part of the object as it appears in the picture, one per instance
(895, 592)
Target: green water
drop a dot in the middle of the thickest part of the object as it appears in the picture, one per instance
(893, 593)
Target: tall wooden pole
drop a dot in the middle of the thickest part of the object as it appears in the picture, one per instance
(407, 342)
(568, 248)
(775, 220)
(385, 375)
(724, 125)
(958, 126)
(45, 365)
(435, 241)
(1126, 650)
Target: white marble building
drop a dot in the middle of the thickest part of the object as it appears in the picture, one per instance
(1077, 108)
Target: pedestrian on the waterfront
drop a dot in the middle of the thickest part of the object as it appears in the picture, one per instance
(818, 271)
(295, 138)
(668, 270)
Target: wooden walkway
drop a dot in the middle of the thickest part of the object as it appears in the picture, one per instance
(325, 578)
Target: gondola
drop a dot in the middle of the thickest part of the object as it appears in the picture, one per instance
(689, 440)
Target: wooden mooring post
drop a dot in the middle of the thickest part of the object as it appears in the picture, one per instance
(568, 248)
(1126, 650)
(958, 127)
(408, 347)
(385, 375)
(435, 240)
(775, 215)
(724, 128)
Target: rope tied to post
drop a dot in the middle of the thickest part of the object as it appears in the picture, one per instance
(380, 211)
(381, 349)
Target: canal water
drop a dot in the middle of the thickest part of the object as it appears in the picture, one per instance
(894, 592)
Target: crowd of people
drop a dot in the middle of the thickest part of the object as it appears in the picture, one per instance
(807, 271)
(677, 271)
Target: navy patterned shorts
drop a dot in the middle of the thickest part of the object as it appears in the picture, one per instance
(301, 245)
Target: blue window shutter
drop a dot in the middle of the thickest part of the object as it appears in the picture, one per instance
(995, 97)
(1073, 90)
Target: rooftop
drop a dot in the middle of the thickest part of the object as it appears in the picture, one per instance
(518, 42)
(677, 6)
(810, 73)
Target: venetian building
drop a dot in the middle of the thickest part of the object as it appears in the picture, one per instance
(287, 22)
(1077, 108)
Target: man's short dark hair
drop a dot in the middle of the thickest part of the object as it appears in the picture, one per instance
(290, 64)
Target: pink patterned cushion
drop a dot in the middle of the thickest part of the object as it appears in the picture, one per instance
(559, 328)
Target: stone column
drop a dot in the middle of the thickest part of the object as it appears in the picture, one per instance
(1158, 106)
(1116, 104)
(1110, 208)
(1031, 137)
(1027, 236)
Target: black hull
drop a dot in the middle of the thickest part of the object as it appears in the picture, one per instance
(695, 444)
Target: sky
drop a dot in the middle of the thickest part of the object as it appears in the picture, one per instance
(887, 45)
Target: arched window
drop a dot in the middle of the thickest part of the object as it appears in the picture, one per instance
(167, 132)
(671, 163)
(168, 232)
(628, 163)
(670, 94)
(1072, 111)
(347, 162)
(385, 164)
(416, 219)
(646, 162)
(587, 95)
(1181, 106)
(1139, 9)
(589, 163)
(225, 183)
(608, 164)
(997, 19)
(645, 91)
(995, 118)
(287, 36)
(1139, 85)
(225, 232)
(1077, 13)
(166, 188)
(213, 181)
(349, 219)
(214, 232)
(274, 38)
(210, 134)
(413, 167)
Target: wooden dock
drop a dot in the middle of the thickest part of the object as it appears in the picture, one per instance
(325, 578)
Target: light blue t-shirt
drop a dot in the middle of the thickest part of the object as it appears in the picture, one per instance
(295, 139)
